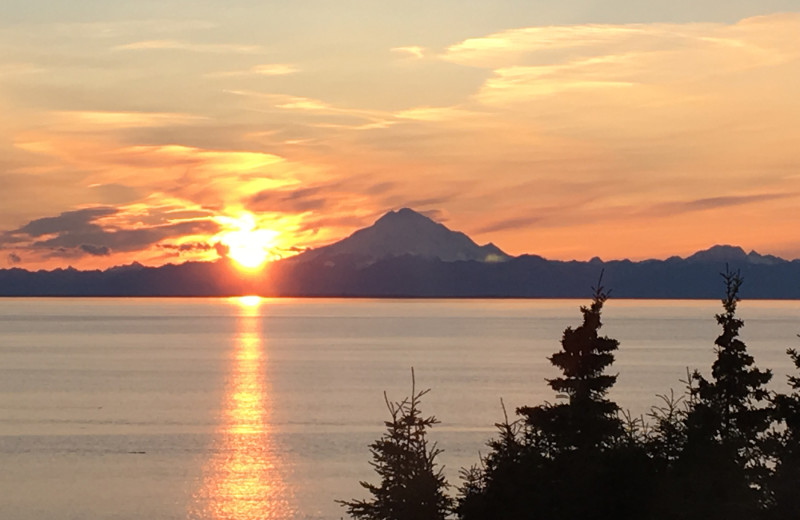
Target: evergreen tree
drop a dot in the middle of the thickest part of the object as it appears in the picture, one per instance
(411, 486)
(588, 419)
(667, 436)
(720, 472)
(507, 480)
(785, 483)
(571, 460)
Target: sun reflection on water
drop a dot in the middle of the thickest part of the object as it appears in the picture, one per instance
(242, 480)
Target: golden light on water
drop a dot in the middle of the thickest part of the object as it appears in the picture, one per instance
(243, 479)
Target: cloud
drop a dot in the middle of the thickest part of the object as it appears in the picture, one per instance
(103, 231)
(437, 215)
(118, 120)
(210, 48)
(317, 107)
(510, 47)
(302, 103)
(14, 258)
(348, 222)
(414, 51)
(711, 203)
(269, 69)
(175, 155)
(79, 221)
(115, 193)
(126, 240)
(510, 223)
(299, 200)
(540, 61)
(380, 187)
(95, 250)
(188, 246)
(433, 113)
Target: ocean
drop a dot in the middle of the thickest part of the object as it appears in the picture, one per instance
(248, 408)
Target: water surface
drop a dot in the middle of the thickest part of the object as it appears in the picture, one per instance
(236, 408)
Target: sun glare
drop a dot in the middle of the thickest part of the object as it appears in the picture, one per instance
(249, 301)
(248, 246)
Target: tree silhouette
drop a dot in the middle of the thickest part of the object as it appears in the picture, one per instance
(411, 486)
(571, 460)
(588, 419)
(721, 469)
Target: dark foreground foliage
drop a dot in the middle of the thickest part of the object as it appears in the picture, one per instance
(726, 449)
(411, 487)
(574, 459)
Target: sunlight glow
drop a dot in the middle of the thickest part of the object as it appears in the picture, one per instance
(248, 246)
(249, 301)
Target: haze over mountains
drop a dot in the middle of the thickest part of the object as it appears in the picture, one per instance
(406, 254)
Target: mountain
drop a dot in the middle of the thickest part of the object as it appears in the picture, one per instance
(725, 253)
(405, 254)
(405, 232)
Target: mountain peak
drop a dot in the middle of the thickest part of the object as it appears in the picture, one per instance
(402, 213)
(405, 217)
(407, 232)
(727, 253)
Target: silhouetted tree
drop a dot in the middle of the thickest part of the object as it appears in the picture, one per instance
(411, 486)
(509, 473)
(720, 470)
(588, 419)
(785, 483)
(571, 460)
(667, 436)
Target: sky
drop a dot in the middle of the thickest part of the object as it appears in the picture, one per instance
(161, 131)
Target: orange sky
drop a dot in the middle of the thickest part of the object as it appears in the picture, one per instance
(564, 131)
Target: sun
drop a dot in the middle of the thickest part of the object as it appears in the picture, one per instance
(248, 246)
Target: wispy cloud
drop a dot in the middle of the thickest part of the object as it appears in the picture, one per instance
(414, 51)
(117, 120)
(177, 45)
(434, 113)
(712, 203)
(269, 69)
(288, 200)
(523, 222)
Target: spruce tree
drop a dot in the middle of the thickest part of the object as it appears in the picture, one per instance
(588, 419)
(411, 486)
(721, 471)
(570, 460)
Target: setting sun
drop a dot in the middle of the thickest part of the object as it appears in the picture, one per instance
(248, 246)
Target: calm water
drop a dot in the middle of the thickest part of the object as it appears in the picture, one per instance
(235, 409)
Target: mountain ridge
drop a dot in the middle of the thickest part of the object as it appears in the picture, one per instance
(383, 260)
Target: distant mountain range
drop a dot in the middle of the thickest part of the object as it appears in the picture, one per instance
(406, 254)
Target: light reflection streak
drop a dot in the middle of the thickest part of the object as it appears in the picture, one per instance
(242, 480)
